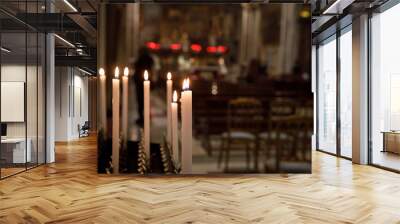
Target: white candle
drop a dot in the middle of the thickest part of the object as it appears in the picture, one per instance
(115, 120)
(186, 128)
(169, 99)
(146, 114)
(174, 131)
(124, 122)
(102, 100)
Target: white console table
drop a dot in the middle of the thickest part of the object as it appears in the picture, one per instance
(18, 148)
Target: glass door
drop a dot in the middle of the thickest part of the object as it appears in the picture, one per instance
(385, 89)
(326, 59)
(345, 93)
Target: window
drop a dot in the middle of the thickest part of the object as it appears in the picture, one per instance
(346, 93)
(385, 89)
(327, 96)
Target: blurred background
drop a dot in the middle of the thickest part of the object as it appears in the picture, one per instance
(249, 66)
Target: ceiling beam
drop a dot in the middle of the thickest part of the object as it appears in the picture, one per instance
(79, 61)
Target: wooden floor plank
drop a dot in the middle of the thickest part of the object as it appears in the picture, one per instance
(70, 191)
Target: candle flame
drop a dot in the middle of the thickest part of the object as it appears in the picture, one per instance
(185, 85)
(169, 76)
(102, 72)
(146, 75)
(126, 71)
(116, 72)
(175, 97)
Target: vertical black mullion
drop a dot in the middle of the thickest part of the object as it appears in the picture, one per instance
(26, 85)
(73, 91)
(45, 87)
(45, 94)
(338, 98)
(369, 90)
(317, 97)
(69, 93)
(60, 87)
(37, 90)
(0, 88)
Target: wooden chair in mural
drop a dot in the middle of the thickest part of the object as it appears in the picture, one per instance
(244, 119)
(277, 139)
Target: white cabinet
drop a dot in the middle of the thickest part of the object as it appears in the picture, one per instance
(19, 155)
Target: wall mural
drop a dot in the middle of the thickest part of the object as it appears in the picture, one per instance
(204, 89)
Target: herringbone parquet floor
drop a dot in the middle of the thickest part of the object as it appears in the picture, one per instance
(70, 191)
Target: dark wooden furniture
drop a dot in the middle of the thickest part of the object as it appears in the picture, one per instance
(391, 141)
(244, 124)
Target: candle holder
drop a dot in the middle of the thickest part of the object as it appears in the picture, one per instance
(104, 152)
(142, 160)
(165, 159)
(168, 158)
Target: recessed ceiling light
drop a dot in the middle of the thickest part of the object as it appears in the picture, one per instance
(84, 71)
(5, 50)
(70, 5)
(64, 40)
(337, 7)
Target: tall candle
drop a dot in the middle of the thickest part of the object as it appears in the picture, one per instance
(124, 122)
(169, 99)
(186, 128)
(146, 114)
(174, 129)
(115, 120)
(102, 99)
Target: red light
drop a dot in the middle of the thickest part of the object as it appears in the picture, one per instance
(211, 49)
(175, 47)
(195, 47)
(153, 45)
(221, 49)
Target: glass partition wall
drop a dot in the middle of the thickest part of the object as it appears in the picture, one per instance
(334, 83)
(22, 87)
(345, 91)
(385, 89)
(327, 95)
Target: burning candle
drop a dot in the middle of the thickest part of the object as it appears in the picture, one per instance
(102, 99)
(115, 121)
(174, 131)
(125, 103)
(169, 99)
(186, 130)
(146, 114)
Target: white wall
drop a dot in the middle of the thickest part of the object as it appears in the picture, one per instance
(62, 82)
(12, 73)
(71, 102)
(33, 127)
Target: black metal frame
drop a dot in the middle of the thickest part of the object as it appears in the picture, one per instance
(338, 98)
(382, 8)
(27, 30)
(389, 4)
(339, 32)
